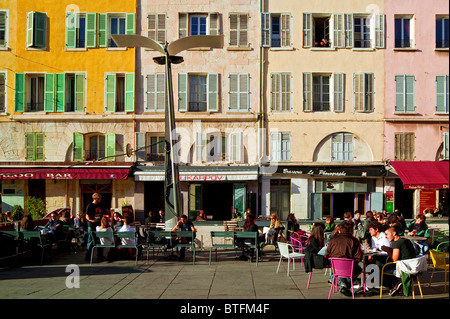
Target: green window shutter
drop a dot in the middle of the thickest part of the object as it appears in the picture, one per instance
(102, 30)
(348, 21)
(72, 19)
(2, 92)
(131, 23)
(338, 30)
(78, 147)
(110, 147)
(60, 89)
(379, 31)
(213, 92)
(79, 92)
(91, 30)
(265, 29)
(40, 29)
(140, 147)
(129, 92)
(40, 156)
(307, 92)
(49, 94)
(442, 93)
(110, 88)
(307, 30)
(338, 92)
(410, 84)
(30, 29)
(183, 25)
(400, 93)
(20, 93)
(182, 92)
(30, 146)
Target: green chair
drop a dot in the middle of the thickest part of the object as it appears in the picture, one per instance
(249, 239)
(102, 239)
(153, 242)
(224, 235)
(34, 238)
(129, 240)
(186, 240)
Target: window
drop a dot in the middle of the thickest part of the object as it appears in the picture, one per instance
(323, 92)
(281, 92)
(446, 146)
(3, 29)
(2, 92)
(276, 30)
(156, 92)
(404, 93)
(36, 89)
(199, 24)
(81, 30)
(150, 147)
(337, 30)
(363, 92)
(442, 94)
(119, 90)
(109, 24)
(156, 27)
(198, 92)
(211, 147)
(442, 33)
(36, 30)
(239, 92)
(342, 147)
(239, 30)
(404, 146)
(98, 147)
(280, 147)
(34, 146)
(404, 32)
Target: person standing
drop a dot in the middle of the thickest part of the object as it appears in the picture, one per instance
(94, 212)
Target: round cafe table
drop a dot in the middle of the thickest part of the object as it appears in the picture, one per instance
(414, 238)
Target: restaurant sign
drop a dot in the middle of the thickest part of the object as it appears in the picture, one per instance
(359, 171)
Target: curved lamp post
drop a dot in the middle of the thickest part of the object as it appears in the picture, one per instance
(172, 175)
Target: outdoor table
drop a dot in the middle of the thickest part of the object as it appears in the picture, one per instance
(414, 238)
(367, 253)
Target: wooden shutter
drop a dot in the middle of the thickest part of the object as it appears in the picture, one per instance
(79, 92)
(244, 92)
(338, 24)
(183, 25)
(20, 93)
(285, 147)
(91, 30)
(243, 30)
(161, 36)
(110, 87)
(234, 29)
(338, 92)
(236, 147)
(49, 94)
(442, 93)
(307, 92)
(130, 23)
(201, 147)
(129, 92)
(285, 91)
(39, 153)
(2, 92)
(3, 29)
(348, 21)
(234, 92)
(110, 141)
(410, 87)
(140, 147)
(102, 30)
(265, 29)
(78, 147)
(446, 146)
(275, 150)
(358, 92)
(400, 93)
(30, 146)
(72, 20)
(156, 27)
(60, 93)
(286, 30)
(307, 30)
(214, 24)
(40, 29)
(379, 31)
(151, 26)
(275, 92)
(213, 92)
(151, 92)
(30, 29)
(182, 92)
(404, 146)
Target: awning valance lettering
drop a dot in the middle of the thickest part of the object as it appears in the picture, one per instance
(422, 175)
(66, 174)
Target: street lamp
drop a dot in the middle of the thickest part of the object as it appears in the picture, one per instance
(172, 175)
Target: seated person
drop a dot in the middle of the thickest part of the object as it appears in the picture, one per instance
(292, 225)
(394, 221)
(104, 227)
(329, 224)
(378, 240)
(184, 225)
(202, 216)
(128, 241)
(314, 244)
(53, 230)
(276, 227)
(402, 249)
(419, 228)
(250, 226)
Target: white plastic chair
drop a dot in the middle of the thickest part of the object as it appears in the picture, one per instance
(284, 249)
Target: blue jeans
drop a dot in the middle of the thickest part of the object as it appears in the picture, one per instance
(421, 247)
(345, 282)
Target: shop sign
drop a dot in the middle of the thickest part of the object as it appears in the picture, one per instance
(320, 172)
(188, 178)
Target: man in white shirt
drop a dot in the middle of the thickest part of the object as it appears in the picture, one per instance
(378, 240)
(127, 228)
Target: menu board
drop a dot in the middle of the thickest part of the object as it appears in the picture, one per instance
(427, 200)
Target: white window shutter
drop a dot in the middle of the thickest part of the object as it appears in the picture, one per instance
(183, 25)
(307, 30)
(213, 92)
(358, 91)
(307, 92)
(379, 31)
(286, 30)
(265, 29)
(348, 21)
(338, 92)
(338, 24)
(214, 24)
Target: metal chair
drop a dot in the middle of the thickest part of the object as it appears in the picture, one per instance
(284, 253)
(439, 262)
(35, 239)
(129, 240)
(152, 240)
(102, 239)
(224, 235)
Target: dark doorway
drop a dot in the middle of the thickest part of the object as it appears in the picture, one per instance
(404, 199)
(105, 190)
(218, 200)
(36, 188)
(154, 197)
(343, 202)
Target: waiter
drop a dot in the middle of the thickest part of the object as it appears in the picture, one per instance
(94, 213)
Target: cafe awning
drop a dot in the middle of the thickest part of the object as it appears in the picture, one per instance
(64, 173)
(423, 175)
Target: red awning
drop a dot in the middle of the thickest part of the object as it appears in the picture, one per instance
(67, 173)
(422, 175)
